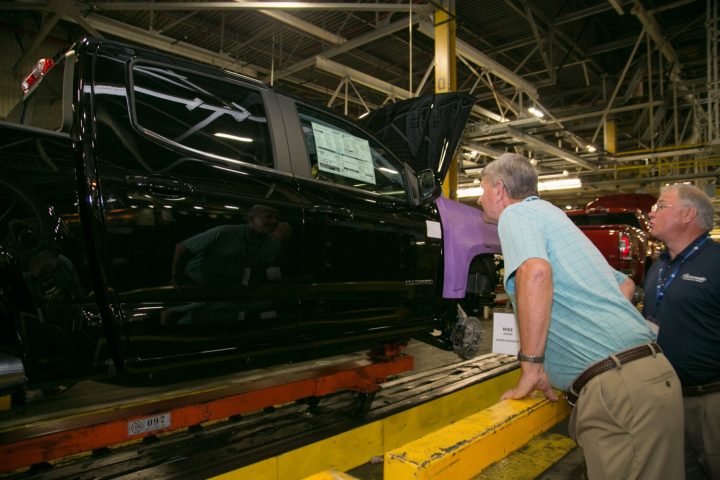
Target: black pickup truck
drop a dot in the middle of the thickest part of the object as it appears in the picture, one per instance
(161, 214)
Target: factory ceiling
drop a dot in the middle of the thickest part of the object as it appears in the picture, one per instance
(628, 89)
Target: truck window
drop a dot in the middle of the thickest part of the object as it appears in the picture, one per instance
(343, 154)
(42, 107)
(206, 115)
(606, 219)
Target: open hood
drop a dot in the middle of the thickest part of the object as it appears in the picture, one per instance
(423, 131)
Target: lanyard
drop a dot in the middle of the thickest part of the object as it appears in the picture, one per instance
(662, 286)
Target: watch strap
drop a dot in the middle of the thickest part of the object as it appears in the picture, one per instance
(530, 358)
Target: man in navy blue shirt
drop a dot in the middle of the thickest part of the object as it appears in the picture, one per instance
(682, 296)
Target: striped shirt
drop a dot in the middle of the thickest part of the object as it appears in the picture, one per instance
(591, 318)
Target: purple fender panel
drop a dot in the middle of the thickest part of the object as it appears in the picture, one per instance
(465, 235)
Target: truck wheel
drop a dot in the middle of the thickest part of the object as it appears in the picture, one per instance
(466, 337)
(361, 404)
(480, 291)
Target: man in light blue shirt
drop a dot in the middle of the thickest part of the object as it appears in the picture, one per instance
(580, 333)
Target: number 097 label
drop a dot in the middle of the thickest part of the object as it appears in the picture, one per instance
(148, 424)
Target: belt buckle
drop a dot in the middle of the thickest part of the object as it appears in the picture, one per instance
(571, 397)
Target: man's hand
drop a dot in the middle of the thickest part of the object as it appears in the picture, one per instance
(533, 378)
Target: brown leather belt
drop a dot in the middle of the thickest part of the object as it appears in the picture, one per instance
(701, 389)
(613, 361)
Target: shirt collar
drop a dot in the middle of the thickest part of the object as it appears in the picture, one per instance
(665, 255)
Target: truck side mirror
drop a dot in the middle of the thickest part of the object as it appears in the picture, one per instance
(427, 185)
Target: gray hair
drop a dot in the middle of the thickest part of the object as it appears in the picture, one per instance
(516, 173)
(692, 196)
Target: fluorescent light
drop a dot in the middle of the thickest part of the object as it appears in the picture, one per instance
(591, 148)
(473, 171)
(550, 176)
(388, 170)
(559, 184)
(363, 115)
(470, 192)
(233, 137)
(536, 112)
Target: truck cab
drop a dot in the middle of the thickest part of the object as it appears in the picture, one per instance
(162, 215)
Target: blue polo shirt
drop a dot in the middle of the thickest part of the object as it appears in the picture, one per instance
(688, 313)
(590, 319)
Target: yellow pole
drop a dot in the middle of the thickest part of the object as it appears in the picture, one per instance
(610, 139)
(445, 74)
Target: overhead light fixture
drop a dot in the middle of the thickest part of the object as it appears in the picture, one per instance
(363, 115)
(551, 176)
(538, 113)
(470, 192)
(559, 184)
(474, 171)
(591, 148)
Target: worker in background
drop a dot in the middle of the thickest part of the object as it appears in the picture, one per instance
(580, 333)
(682, 296)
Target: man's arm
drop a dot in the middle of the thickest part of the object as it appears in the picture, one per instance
(627, 287)
(534, 294)
(180, 260)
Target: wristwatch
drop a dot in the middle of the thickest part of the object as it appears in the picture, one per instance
(530, 358)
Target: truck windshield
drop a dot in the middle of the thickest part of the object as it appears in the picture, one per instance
(606, 219)
(43, 106)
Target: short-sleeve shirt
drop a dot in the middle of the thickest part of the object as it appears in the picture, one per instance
(688, 312)
(591, 318)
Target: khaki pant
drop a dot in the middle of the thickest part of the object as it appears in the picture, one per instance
(629, 422)
(702, 437)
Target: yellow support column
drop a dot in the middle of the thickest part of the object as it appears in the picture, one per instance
(445, 74)
(610, 139)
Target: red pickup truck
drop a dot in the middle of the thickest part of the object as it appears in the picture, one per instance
(618, 226)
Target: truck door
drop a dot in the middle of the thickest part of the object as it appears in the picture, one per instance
(48, 313)
(200, 210)
(370, 263)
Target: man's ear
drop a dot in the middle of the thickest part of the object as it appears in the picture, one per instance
(499, 190)
(690, 215)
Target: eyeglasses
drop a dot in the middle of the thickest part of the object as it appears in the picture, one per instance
(659, 206)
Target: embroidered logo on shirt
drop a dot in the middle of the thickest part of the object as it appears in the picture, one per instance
(693, 278)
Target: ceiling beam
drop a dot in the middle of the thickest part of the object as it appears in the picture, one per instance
(167, 44)
(248, 5)
(362, 78)
(487, 63)
(347, 46)
(484, 149)
(548, 147)
(653, 28)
